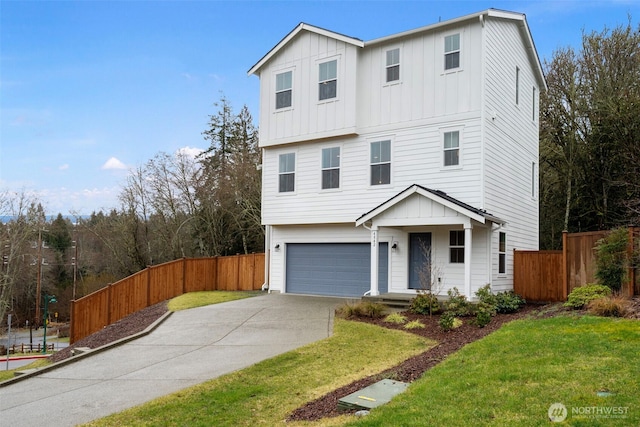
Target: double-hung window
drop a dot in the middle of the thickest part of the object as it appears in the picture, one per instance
(330, 167)
(380, 162)
(452, 148)
(452, 52)
(456, 246)
(284, 87)
(393, 65)
(328, 80)
(287, 173)
(502, 254)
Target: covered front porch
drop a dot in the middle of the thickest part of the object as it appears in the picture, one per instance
(434, 240)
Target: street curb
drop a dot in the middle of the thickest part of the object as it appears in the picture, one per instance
(89, 353)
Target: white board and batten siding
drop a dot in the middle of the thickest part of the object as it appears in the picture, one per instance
(308, 118)
(416, 158)
(425, 90)
(511, 141)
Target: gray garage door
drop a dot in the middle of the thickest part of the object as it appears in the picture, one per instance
(338, 269)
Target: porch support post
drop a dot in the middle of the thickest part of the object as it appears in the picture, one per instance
(374, 261)
(467, 260)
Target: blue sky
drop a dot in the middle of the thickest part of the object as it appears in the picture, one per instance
(89, 89)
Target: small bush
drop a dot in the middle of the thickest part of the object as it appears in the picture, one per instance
(484, 312)
(63, 331)
(609, 306)
(509, 302)
(414, 324)
(396, 318)
(457, 304)
(485, 296)
(581, 296)
(425, 303)
(361, 309)
(447, 320)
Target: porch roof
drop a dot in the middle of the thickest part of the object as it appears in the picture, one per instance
(437, 196)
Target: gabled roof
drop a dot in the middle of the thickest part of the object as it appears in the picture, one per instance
(494, 13)
(303, 27)
(437, 196)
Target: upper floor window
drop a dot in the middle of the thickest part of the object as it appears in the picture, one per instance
(330, 167)
(287, 172)
(456, 246)
(284, 85)
(452, 51)
(380, 162)
(517, 85)
(502, 253)
(393, 65)
(452, 148)
(328, 80)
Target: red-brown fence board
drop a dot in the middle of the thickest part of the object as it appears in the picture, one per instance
(537, 275)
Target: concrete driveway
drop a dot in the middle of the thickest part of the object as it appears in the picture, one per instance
(188, 348)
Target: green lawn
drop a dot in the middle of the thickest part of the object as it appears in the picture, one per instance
(511, 377)
(265, 393)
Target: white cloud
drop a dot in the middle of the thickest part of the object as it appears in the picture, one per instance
(63, 167)
(187, 151)
(113, 163)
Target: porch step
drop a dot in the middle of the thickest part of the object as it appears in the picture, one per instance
(396, 301)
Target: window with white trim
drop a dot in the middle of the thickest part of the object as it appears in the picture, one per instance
(381, 162)
(330, 168)
(287, 172)
(393, 65)
(452, 148)
(502, 253)
(284, 89)
(452, 51)
(456, 246)
(328, 80)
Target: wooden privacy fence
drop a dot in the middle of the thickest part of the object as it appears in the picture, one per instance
(158, 283)
(549, 276)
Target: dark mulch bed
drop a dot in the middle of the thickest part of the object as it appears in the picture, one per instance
(130, 325)
(411, 369)
(448, 342)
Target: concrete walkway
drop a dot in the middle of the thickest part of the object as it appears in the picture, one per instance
(188, 348)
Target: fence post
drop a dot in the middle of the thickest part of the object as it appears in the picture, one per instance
(109, 303)
(148, 271)
(184, 275)
(565, 279)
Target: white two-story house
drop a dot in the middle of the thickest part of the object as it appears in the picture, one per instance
(402, 163)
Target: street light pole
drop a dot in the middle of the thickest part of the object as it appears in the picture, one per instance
(47, 299)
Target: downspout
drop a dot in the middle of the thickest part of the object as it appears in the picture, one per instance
(267, 257)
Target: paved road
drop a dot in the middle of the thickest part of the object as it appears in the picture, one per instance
(188, 348)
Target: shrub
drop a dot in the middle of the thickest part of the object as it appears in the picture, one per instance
(485, 296)
(447, 320)
(611, 258)
(361, 309)
(609, 306)
(581, 296)
(396, 318)
(457, 304)
(414, 324)
(425, 303)
(484, 312)
(509, 302)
